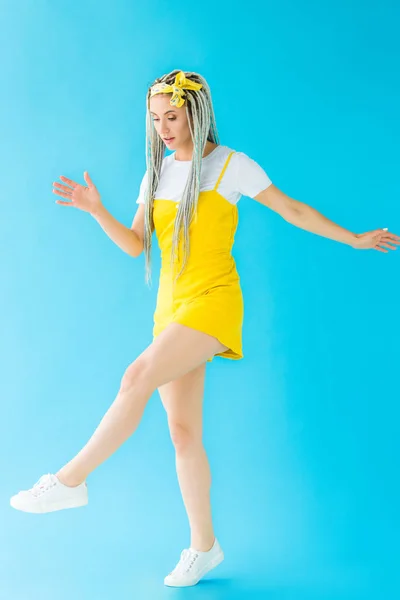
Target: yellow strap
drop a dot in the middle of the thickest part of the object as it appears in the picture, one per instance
(223, 170)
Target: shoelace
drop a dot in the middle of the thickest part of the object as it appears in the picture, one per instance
(186, 561)
(45, 483)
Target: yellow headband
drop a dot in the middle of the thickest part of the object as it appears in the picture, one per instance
(181, 83)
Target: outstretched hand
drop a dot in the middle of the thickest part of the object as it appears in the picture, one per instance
(85, 198)
(375, 240)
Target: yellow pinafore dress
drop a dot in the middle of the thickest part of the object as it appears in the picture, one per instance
(207, 296)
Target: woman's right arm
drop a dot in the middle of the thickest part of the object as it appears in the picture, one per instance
(88, 199)
(130, 240)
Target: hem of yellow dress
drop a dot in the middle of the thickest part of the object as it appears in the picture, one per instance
(230, 353)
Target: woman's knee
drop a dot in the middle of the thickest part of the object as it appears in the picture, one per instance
(183, 437)
(138, 375)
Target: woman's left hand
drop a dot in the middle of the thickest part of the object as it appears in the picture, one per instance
(375, 240)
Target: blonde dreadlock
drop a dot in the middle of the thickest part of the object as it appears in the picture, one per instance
(202, 125)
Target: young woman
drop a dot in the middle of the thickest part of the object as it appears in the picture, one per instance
(190, 199)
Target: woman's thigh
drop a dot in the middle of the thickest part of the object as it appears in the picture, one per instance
(177, 350)
(182, 399)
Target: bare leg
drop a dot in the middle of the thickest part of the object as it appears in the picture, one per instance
(194, 477)
(176, 351)
(182, 400)
(117, 425)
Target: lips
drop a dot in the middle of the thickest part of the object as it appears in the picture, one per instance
(168, 140)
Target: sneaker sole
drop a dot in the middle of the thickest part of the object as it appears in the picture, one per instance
(214, 563)
(52, 508)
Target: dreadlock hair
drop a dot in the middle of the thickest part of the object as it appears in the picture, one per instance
(202, 125)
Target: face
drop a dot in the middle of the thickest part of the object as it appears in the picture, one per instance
(170, 121)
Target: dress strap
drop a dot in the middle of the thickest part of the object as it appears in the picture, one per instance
(223, 170)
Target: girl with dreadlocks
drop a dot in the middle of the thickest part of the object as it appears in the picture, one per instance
(199, 311)
(194, 190)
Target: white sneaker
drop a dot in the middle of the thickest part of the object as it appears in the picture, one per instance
(193, 564)
(49, 494)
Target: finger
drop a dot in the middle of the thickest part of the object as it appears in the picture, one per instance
(64, 203)
(389, 236)
(392, 235)
(62, 187)
(382, 243)
(69, 181)
(61, 194)
(389, 239)
(87, 178)
(380, 249)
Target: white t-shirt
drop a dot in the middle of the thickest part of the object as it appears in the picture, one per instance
(242, 177)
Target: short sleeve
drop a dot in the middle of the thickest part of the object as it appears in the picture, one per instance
(142, 190)
(251, 178)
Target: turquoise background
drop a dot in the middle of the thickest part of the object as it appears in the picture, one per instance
(302, 434)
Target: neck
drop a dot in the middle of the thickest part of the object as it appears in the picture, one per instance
(186, 153)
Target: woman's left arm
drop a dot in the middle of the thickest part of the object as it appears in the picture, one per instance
(306, 217)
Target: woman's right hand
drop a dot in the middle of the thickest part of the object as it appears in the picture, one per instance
(85, 198)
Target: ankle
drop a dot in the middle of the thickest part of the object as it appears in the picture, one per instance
(203, 544)
(68, 481)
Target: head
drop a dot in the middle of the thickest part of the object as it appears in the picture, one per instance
(191, 123)
(171, 122)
